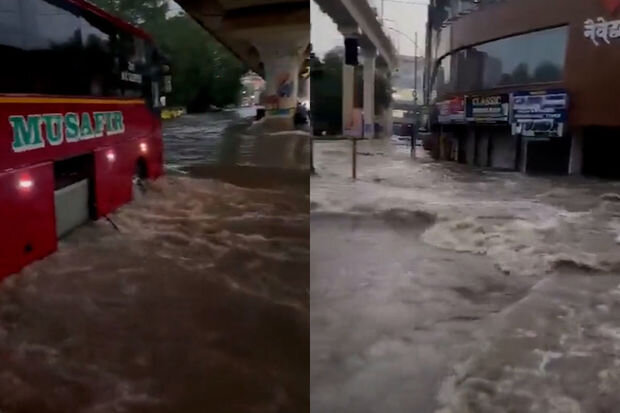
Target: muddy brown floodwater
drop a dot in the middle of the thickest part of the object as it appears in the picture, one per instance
(441, 288)
(198, 303)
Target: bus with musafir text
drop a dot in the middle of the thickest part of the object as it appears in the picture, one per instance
(80, 127)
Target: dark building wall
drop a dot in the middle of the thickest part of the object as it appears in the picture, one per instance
(601, 149)
(548, 156)
(590, 73)
(470, 146)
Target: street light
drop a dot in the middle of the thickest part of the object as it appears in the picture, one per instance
(415, 61)
(415, 42)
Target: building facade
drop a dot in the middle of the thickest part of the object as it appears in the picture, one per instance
(526, 84)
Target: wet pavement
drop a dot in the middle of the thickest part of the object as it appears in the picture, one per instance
(198, 303)
(436, 287)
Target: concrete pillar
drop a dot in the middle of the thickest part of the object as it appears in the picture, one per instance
(348, 84)
(370, 56)
(523, 155)
(575, 163)
(348, 93)
(282, 54)
(303, 92)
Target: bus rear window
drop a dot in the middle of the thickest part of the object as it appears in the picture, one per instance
(55, 48)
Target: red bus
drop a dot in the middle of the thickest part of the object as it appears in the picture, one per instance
(80, 95)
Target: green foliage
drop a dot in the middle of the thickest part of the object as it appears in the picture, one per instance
(204, 73)
(326, 91)
(144, 13)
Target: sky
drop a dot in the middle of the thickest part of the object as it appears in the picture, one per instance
(174, 7)
(406, 16)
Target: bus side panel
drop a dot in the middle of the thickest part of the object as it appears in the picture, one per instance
(27, 219)
(114, 169)
(138, 121)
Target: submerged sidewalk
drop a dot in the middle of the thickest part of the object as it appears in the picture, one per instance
(437, 287)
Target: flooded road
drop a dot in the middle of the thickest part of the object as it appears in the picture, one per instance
(199, 302)
(440, 288)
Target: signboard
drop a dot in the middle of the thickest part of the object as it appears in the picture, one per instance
(487, 109)
(131, 77)
(354, 126)
(601, 30)
(540, 113)
(37, 131)
(451, 111)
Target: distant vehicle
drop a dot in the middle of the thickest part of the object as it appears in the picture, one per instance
(403, 129)
(260, 112)
(81, 121)
(301, 114)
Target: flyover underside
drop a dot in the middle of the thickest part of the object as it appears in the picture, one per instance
(223, 17)
(357, 16)
(356, 19)
(271, 36)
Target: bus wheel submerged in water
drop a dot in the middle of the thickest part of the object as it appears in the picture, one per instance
(140, 175)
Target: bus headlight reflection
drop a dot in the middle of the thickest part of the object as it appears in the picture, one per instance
(111, 156)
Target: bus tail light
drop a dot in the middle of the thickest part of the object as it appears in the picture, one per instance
(111, 156)
(144, 147)
(25, 183)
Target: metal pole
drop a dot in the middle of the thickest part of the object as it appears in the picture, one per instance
(312, 170)
(354, 151)
(354, 155)
(414, 132)
(415, 70)
(382, 6)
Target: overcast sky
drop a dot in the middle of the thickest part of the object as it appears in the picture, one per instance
(173, 6)
(406, 16)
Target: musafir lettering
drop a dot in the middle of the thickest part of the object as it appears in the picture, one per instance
(26, 133)
(36, 131)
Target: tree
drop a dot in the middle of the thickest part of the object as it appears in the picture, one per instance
(204, 73)
(547, 72)
(326, 91)
(521, 73)
(383, 90)
(144, 13)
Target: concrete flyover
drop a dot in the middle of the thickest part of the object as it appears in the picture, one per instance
(271, 36)
(357, 19)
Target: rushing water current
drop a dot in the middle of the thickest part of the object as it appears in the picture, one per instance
(197, 303)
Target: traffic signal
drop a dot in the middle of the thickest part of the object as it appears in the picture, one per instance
(350, 51)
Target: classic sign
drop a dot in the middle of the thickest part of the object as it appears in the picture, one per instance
(487, 109)
(33, 131)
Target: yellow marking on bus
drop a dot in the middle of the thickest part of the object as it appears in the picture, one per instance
(25, 99)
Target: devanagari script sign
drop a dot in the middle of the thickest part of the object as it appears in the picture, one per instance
(601, 30)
